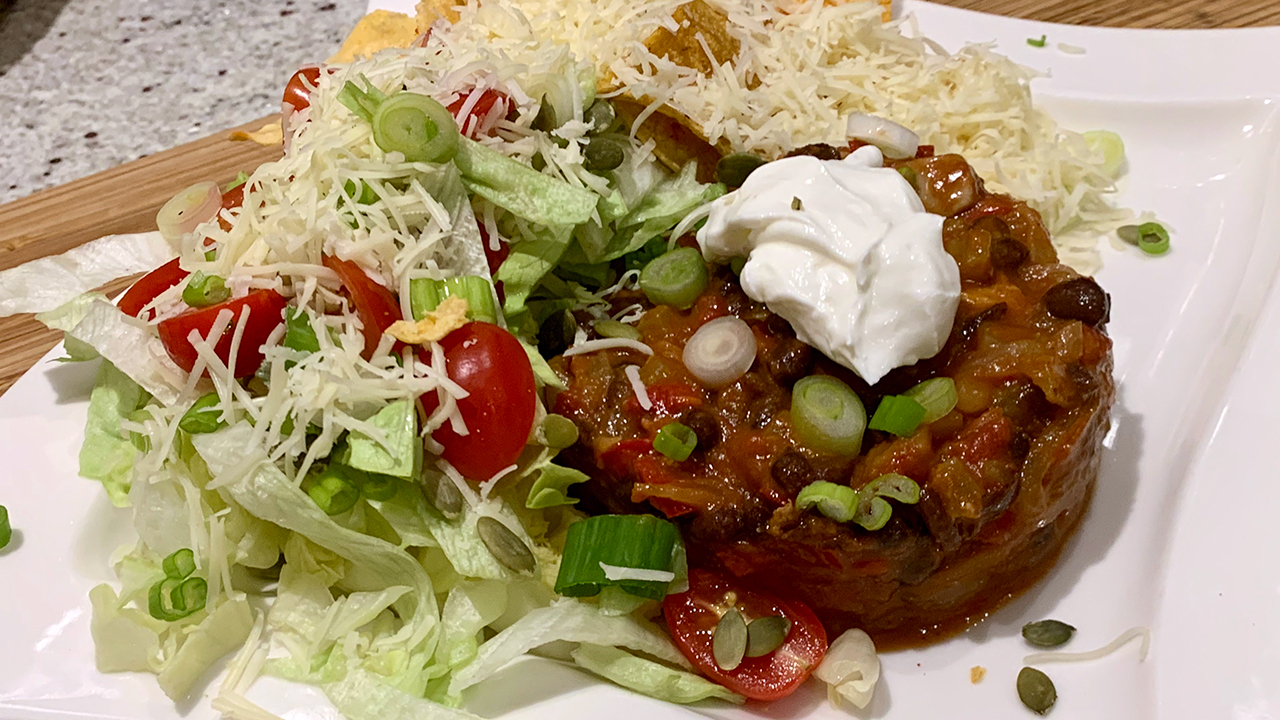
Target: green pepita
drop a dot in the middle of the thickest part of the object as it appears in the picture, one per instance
(1036, 690)
(506, 546)
(1047, 633)
(442, 493)
(603, 154)
(733, 169)
(559, 431)
(615, 329)
(729, 643)
(766, 634)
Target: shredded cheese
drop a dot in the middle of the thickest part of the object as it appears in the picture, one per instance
(1105, 650)
(588, 346)
(637, 386)
(614, 572)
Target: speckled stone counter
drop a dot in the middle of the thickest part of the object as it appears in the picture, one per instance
(88, 84)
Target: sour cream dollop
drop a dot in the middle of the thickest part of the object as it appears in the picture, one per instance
(845, 252)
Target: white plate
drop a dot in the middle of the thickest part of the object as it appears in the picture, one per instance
(1181, 536)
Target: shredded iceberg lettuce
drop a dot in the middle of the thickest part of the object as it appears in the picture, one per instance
(45, 284)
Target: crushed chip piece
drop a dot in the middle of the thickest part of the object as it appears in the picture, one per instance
(683, 46)
(976, 673)
(431, 10)
(449, 316)
(377, 31)
(270, 134)
(676, 142)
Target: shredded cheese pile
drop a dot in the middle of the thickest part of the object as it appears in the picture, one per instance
(803, 66)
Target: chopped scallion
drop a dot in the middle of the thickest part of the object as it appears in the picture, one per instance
(363, 194)
(332, 491)
(426, 294)
(1153, 239)
(893, 486)
(1110, 146)
(241, 178)
(204, 416)
(873, 513)
(676, 441)
(361, 102)
(827, 415)
(936, 395)
(838, 502)
(643, 542)
(676, 278)
(178, 595)
(1033, 42)
(180, 564)
(416, 126)
(205, 290)
(6, 531)
(559, 431)
(615, 329)
(898, 414)
(374, 486)
(298, 333)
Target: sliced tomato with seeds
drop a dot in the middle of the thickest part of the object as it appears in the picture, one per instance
(692, 617)
(479, 111)
(149, 286)
(375, 305)
(265, 310)
(297, 92)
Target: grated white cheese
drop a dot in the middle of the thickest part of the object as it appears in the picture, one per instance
(637, 386)
(615, 572)
(588, 346)
(1105, 650)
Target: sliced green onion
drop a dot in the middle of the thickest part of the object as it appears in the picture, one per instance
(893, 486)
(898, 414)
(676, 441)
(332, 491)
(936, 395)
(827, 415)
(908, 173)
(204, 416)
(173, 599)
(643, 542)
(603, 154)
(426, 294)
(615, 329)
(838, 502)
(676, 278)
(241, 178)
(736, 265)
(1033, 42)
(298, 333)
(205, 290)
(180, 564)
(873, 513)
(6, 531)
(364, 103)
(375, 486)
(417, 126)
(1110, 146)
(364, 194)
(733, 169)
(1153, 239)
(559, 431)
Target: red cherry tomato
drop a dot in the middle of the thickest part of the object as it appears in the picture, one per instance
(297, 93)
(149, 286)
(692, 617)
(484, 104)
(375, 305)
(265, 308)
(490, 364)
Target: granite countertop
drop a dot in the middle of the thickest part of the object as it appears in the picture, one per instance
(90, 84)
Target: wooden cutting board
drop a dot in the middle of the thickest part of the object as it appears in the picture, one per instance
(126, 198)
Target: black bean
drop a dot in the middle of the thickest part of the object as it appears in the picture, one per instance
(970, 327)
(792, 471)
(790, 361)
(556, 334)
(704, 425)
(763, 408)
(822, 151)
(1008, 254)
(1079, 299)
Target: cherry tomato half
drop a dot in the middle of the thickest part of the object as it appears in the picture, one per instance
(265, 308)
(692, 617)
(375, 305)
(484, 104)
(297, 93)
(149, 286)
(490, 364)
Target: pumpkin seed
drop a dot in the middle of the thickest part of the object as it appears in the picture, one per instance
(729, 643)
(766, 634)
(733, 169)
(602, 154)
(1036, 690)
(560, 432)
(442, 494)
(600, 117)
(505, 545)
(1047, 633)
(796, 204)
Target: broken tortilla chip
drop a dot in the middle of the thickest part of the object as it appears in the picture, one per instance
(377, 31)
(449, 316)
(699, 23)
(431, 10)
(270, 134)
(677, 142)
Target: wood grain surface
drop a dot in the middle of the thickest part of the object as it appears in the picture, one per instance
(126, 198)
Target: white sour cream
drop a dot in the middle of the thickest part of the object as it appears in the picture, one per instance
(844, 251)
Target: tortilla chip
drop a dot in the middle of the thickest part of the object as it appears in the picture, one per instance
(431, 10)
(269, 134)
(677, 141)
(377, 31)
(449, 316)
(683, 46)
